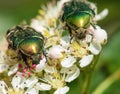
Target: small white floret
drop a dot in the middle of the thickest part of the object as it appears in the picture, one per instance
(86, 60)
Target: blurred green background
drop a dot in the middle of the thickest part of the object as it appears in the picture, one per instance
(13, 12)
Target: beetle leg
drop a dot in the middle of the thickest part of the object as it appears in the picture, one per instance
(44, 53)
(18, 28)
(26, 60)
(71, 36)
(93, 25)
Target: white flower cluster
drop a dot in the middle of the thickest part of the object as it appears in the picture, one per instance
(64, 57)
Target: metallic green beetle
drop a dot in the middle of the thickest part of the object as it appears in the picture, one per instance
(27, 42)
(77, 16)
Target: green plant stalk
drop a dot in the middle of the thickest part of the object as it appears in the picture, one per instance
(105, 84)
(88, 74)
(51, 91)
(86, 83)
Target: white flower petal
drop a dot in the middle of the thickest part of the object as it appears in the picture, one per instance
(50, 69)
(71, 73)
(62, 90)
(18, 81)
(41, 65)
(13, 69)
(68, 61)
(30, 82)
(3, 87)
(100, 35)
(2, 84)
(90, 30)
(101, 15)
(3, 91)
(61, 3)
(88, 38)
(65, 41)
(86, 60)
(71, 77)
(95, 48)
(2, 57)
(43, 86)
(3, 44)
(37, 25)
(92, 6)
(32, 91)
(55, 52)
(3, 67)
(70, 70)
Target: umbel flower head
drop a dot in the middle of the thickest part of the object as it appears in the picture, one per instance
(62, 46)
(71, 41)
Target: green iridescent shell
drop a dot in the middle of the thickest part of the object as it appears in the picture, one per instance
(31, 46)
(26, 41)
(77, 14)
(79, 19)
(16, 35)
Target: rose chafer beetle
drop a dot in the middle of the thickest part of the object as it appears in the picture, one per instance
(28, 43)
(77, 17)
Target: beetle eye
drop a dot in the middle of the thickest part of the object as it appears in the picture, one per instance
(31, 46)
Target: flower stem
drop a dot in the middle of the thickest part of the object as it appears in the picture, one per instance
(51, 91)
(105, 84)
(87, 76)
(86, 83)
(43, 92)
